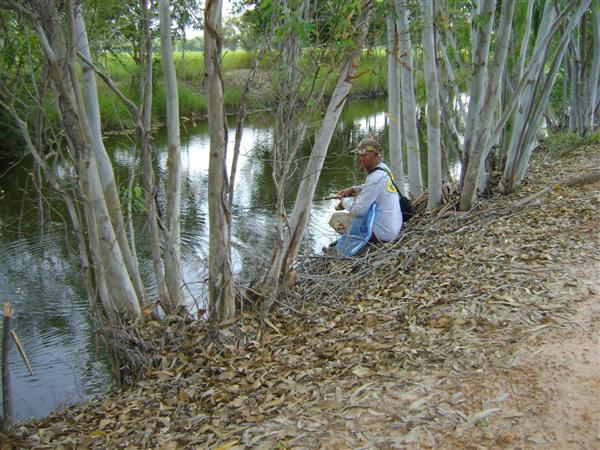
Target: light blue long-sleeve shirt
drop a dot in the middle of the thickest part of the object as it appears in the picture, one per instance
(378, 188)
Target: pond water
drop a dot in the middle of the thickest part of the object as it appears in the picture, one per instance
(40, 275)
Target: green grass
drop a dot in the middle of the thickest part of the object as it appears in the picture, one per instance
(189, 66)
(373, 74)
(563, 143)
(113, 113)
(190, 72)
(237, 59)
(120, 68)
(190, 103)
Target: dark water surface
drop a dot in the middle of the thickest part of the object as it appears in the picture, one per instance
(40, 274)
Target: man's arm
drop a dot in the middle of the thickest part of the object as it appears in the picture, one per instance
(367, 195)
(348, 192)
(351, 191)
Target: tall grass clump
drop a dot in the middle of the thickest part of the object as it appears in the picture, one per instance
(237, 59)
(562, 143)
(113, 113)
(372, 74)
(120, 67)
(191, 104)
(189, 66)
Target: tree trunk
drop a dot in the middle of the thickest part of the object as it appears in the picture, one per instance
(525, 101)
(172, 253)
(145, 142)
(434, 151)
(534, 100)
(105, 168)
(7, 404)
(480, 140)
(452, 85)
(289, 131)
(575, 108)
(221, 294)
(594, 71)
(409, 106)
(535, 119)
(113, 283)
(394, 99)
(285, 254)
(481, 36)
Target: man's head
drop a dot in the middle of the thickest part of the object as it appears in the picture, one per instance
(367, 153)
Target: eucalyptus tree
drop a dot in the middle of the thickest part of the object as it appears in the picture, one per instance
(394, 97)
(535, 87)
(487, 117)
(482, 21)
(221, 294)
(144, 140)
(409, 105)
(142, 120)
(478, 139)
(591, 85)
(584, 58)
(100, 248)
(351, 23)
(107, 177)
(287, 48)
(434, 151)
(172, 253)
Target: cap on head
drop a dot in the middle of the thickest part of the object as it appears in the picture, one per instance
(365, 146)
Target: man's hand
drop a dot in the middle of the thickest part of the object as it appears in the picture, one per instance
(348, 192)
(339, 206)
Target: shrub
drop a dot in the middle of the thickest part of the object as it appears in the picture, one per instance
(563, 143)
(113, 113)
(189, 66)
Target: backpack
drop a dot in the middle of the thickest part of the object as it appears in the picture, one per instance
(408, 211)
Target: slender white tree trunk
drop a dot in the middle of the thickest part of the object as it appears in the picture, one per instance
(290, 129)
(172, 253)
(481, 36)
(409, 105)
(119, 285)
(534, 100)
(452, 82)
(525, 101)
(105, 168)
(220, 283)
(574, 114)
(285, 255)
(394, 99)
(145, 142)
(541, 103)
(434, 151)
(480, 138)
(594, 72)
(525, 40)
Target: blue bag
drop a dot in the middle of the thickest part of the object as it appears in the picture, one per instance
(359, 234)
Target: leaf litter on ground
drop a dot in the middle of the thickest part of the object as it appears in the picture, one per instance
(367, 352)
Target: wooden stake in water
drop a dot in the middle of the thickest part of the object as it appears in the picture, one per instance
(21, 351)
(7, 410)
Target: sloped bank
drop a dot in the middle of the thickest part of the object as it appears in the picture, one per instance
(382, 352)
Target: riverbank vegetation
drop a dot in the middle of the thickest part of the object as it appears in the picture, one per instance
(397, 348)
(479, 79)
(189, 66)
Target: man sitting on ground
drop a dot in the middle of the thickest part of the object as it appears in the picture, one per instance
(378, 188)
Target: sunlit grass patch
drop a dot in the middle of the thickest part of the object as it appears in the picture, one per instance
(563, 143)
(113, 113)
(120, 67)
